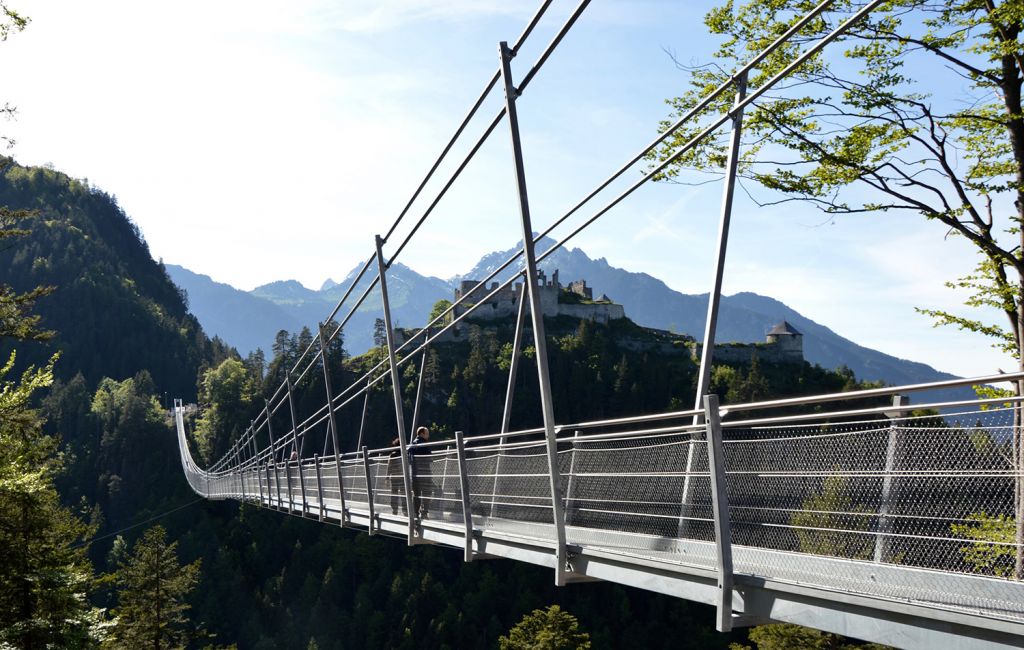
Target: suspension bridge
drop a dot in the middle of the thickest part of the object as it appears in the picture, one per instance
(875, 522)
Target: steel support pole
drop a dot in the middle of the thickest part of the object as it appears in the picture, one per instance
(537, 316)
(295, 443)
(517, 345)
(444, 477)
(362, 419)
(419, 395)
(302, 487)
(572, 482)
(259, 484)
(273, 451)
(270, 494)
(720, 510)
(899, 404)
(715, 295)
(396, 388)
(287, 462)
(506, 415)
(270, 429)
(319, 488)
(369, 490)
(332, 422)
(256, 467)
(259, 479)
(467, 511)
(238, 470)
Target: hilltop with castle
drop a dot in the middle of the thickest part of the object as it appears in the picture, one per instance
(783, 343)
(575, 300)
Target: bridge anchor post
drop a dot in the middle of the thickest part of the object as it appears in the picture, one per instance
(332, 423)
(537, 318)
(467, 508)
(720, 510)
(369, 491)
(396, 388)
(707, 352)
(882, 539)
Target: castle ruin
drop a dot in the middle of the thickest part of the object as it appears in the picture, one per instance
(575, 300)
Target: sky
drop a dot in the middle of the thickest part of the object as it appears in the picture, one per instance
(259, 141)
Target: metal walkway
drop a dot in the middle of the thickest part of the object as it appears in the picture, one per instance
(857, 522)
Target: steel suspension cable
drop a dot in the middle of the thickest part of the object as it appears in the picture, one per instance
(799, 61)
(469, 116)
(716, 124)
(552, 45)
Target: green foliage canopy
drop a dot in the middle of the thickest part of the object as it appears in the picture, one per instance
(864, 133)
(152, 607)
(546, 629)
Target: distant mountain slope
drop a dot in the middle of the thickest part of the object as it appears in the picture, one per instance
(745, 317)
(828, 349)
(248, 320)
(115, 310)
(244, 320)
(286, 292)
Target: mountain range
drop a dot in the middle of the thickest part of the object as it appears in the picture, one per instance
(251, 319)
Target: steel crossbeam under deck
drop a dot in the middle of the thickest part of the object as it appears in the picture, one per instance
(687, 569)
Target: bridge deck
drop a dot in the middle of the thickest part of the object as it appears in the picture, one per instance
(887, 573)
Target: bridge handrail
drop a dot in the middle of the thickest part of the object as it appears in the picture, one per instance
(733, 408)
(871, 392)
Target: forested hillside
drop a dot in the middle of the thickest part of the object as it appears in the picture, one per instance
(114, 310)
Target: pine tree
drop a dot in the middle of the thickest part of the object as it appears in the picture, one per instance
(546, 629)
(44, 573)
(152, 608)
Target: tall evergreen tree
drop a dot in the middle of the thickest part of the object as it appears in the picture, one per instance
(44, 574)
(152, 608)
(546, 629)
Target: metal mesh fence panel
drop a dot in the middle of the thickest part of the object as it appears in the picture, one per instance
(933, 493)
(354, 481)
(510, 488)
(388, 484)
(636, 494)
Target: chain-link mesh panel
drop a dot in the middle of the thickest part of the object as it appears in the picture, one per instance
(313, 476)
(389, 484)
(330, 494)
(636, 494)
(510, 489)
(354, 482)
(927, 492)
(436, 488)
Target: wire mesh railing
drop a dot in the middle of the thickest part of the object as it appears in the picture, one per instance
(932, 494)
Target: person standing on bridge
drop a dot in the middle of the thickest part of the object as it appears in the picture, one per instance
(422, 476)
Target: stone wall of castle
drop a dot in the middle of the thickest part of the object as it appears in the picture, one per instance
(598, 312)
(786, 351)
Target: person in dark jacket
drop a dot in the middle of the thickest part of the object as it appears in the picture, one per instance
(422, 476)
